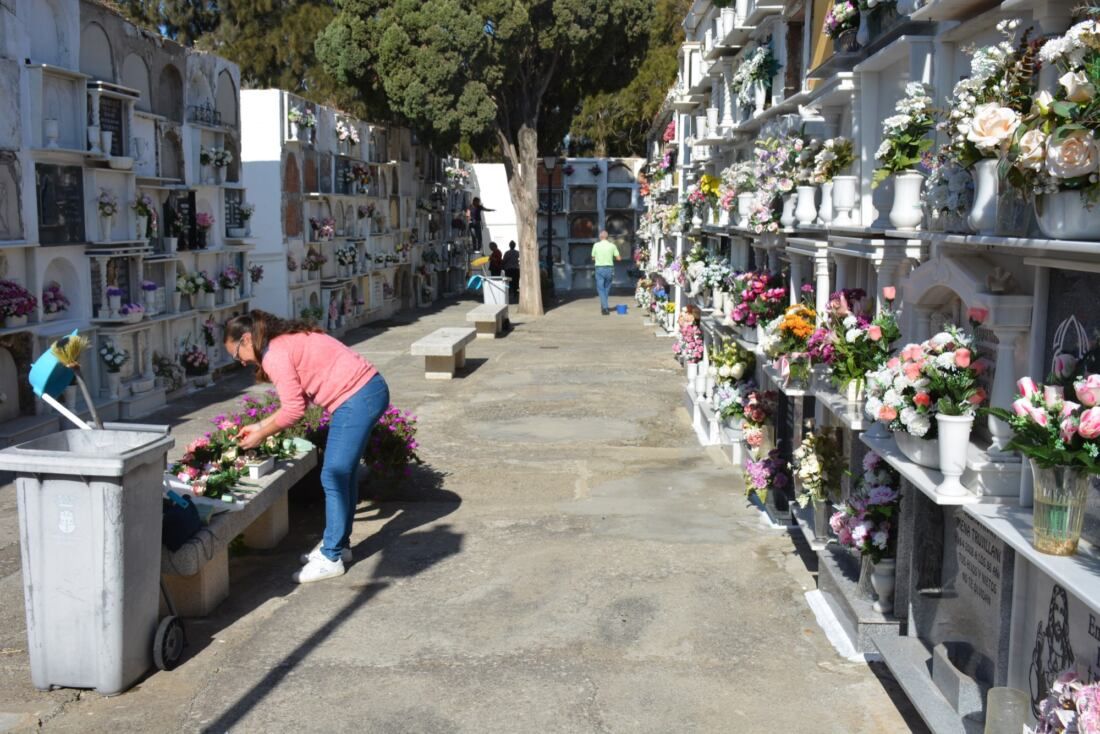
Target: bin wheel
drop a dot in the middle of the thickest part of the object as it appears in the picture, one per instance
(168, 643)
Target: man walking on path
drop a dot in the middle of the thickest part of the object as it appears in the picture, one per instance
(605, 253)
(510, 263)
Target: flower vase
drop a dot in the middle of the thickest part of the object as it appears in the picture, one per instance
(825, 211)
(15, 322)
(104, 228)
(853, 391)
(709, 384)
(921, 451)
(907, 211)
(983, 212)
(760, 96)
(200, 239)
(844, 200)
(1067, 215)
(821, 519)
(207, 301)
(700, 383)
(93, 140)
(744, 208)
(806, 211)
(53, 132)
(293, 134)
(149, 300)
(142, 227)
(954, 440)
(176, 298)
(883, 578)
(692, 372)
(718, 301)
(114, 303)
(106, 140)
(748, 333)
(219, 175)
(786, 218)
(114, 384)
(170, 244)
(863, 35)
(1061, 493)
(847, 41)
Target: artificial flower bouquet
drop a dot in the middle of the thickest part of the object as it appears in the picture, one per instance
(731, 363)
(347, 255)
(758, 66)
(905, 134)
(106, 203)
(818, 465)
(868, 520)
(851, 341)
(728, 400)
(760, 299)
(757, 410)
(689, 342)
(255, 272)
(939, 376)
(786, 341)
(194, 360)
(313, 261)
(771, 473)
(842, 17)
(302, 117)
(53, 299)
(15, 300)
(834, 157)
(1071, 707)
(113, 357)
(230, 278)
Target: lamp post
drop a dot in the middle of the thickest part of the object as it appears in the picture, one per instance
(550, 162)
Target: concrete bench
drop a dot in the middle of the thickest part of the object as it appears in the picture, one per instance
(196, 575)
(444, 350)
(488, 319)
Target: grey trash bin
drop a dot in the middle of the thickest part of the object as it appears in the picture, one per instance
(90, 531)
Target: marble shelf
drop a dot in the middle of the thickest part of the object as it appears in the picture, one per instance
(850, 415)
(923, 478)
(773, 376)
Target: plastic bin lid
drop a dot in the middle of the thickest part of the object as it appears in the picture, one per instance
(49, 376)
(87, 453)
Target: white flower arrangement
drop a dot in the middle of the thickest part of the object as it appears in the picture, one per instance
(113, 357)
(346, 130)
(835, 155)
(904, 135)
(758, 66)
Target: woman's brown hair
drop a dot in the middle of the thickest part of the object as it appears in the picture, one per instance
(264, 327)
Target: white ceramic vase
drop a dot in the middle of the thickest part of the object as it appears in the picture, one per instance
(954, 443)
(921, 451)
(844, 200)
(692, 372)
(983, 212)
(53, 132)
(806, 211)
(760, 96)
(883, 579)
(104, 228)
(1067, 215)
(825, 211)
(142, 224)
(907, 211)
(114, 383)
(106, 138)
(863, 35)
(787, 217)
(744, 208)
(176, 298)
(853, 391)
(93, 139)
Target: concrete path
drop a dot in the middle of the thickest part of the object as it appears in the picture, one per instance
(569, 561)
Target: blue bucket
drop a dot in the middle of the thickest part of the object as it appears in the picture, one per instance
(48, 376)
(621, 309)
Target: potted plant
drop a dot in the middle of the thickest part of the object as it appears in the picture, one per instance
(1061, 440)
(149, 296)
(905, 140)
(171, 228)
(206, 161)
(107, 207)
(145, 213)
(302, 121)
(131, 313)
(230, 282)
(195, 362)
(842, 25)
(16, 304)
(206, 290)
(113, 358)
(852, 341)
(204, 222)
(818, 465)
(868, 523)
(54, 302)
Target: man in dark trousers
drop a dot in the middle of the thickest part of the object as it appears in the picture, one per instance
(510, 263)
(477, 221)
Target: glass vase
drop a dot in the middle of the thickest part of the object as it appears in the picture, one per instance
(1059, 508)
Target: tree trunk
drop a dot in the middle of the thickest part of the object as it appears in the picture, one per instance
(520, 163)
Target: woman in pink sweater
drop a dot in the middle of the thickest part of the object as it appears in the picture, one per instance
(309, 366)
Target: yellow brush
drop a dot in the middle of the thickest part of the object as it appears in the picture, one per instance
(67, 350)
(479, 262)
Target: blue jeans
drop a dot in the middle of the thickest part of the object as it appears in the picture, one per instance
(348, 432)
(604, 275)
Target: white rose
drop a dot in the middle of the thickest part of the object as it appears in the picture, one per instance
(1032, 150)
(712, 371)
(992, 126)
(1044, 100)
(1075, 154)
(1077, 85)
(737, 371)
(724, 371)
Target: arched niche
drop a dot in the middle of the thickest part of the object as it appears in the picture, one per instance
(61, 271)
(199, 93)
(292, 177)
(620, 225)
(582, 199)
(582, 227)
(619, 198)
(95, 53)
(171, 154)
(314, 300)
(169, 99)
(48, 42)
(226, 98)
(620, 173)
(135, 75)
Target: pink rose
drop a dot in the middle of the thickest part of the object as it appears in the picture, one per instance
(922, 399)
(1064, 366)
(893, 363)
(978, 397)
(1039, 416)
(1026, 386)
(1089, 425)
(962, 358)
(978, 315)
(912, 352)
(889, 293)
(1020, 406)
(887, 413)
(912, 371)
(1069, 430)
(1069, 408)
(874, 333)
(1088, 390)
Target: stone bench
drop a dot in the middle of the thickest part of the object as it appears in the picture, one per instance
(488, 319)
(444, 350)
(196, 575)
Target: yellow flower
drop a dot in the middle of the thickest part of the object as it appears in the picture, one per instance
(710, 185)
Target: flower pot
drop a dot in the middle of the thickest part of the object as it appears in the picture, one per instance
(293, 130)
(53, 132)
(692, 371)
(114, 382)
(142, 226)
(15, 322)
(114, 303)
(920, 451)
(718, 301)
(954, 443)
(806, 210)
(908, 211)
(983, 212)
(219, 175)
(822, 513)
(883, 578)
(744, 208)
(93, 139)
(176, 298)
(847, 42)
(207, 301)
(149, 300)
(170, 245)
(853, 391)
(749, 334)
(844, 199)
(825, 211)
(260, 468)
(1067, 215)
(104, 228)
(787, 218)
(106, 138)
(200, 239)
(1058, 512)
(863, 34)
(760, 96)
(700, 383)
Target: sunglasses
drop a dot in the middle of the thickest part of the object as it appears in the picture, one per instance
(237, 351)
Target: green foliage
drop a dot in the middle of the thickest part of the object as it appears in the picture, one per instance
(1045, 445)
(181, 20)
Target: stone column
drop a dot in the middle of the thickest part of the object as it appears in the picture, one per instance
(821, 282)
(841, 273)
(796, 279)
(1003, 391)
(886, 275)
(727, 95)
(103, 262)
(922, 323)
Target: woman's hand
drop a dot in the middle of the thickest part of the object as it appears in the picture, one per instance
(251, 436)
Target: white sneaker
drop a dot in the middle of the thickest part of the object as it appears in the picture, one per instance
(345, 555)
(319, 568)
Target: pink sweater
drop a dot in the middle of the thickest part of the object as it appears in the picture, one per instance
(313, 368)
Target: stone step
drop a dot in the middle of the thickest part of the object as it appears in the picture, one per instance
(804, 517)
(838, 580)
(910, 663)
